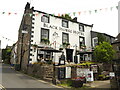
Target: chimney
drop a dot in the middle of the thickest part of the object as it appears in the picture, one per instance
(27, 6)
(75, 19)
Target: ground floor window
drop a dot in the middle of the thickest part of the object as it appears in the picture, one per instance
(44, 55)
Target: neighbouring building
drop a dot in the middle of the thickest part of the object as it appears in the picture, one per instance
(115, 80)
(0, 52)
(95, 35)
(13, 54)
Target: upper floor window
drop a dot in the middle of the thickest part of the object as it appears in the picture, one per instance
(65, 38)
(65, 23)
(95, 41)
(81, 28)
(44, 34)
(45, 19)
(82, 41)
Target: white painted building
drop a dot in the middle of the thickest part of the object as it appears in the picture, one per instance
(58, 31)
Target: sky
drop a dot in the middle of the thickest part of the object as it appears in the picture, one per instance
(105, 21)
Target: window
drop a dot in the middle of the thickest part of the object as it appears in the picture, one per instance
(82, 41)
(81, 28)
(65, 38)
(65, 23)
(95, 41)
(44, 34)
(45, 19)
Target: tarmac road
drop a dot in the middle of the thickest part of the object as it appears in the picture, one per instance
(16, 80)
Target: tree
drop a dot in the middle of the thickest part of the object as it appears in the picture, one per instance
(104, 52)
(6, 54)
(66, 16)
(101, 38)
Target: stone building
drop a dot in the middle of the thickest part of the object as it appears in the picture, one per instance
(115, 81)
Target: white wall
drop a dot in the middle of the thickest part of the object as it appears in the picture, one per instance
(73, 37)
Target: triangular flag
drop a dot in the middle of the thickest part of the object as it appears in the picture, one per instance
(52, 14)
(90, 12)
(3, 12)
(95, 11)
(30, 14)
(84, 12)
(100, 9)
(47, 14)
(79, 13)
(36, 14)
(74, 13)
(9, 13)
(68, 13)
(15, 13)
(117, 7)
(58, 14)
(106, 9)
(111, 8)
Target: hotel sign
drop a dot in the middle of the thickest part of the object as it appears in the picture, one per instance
(63, 29)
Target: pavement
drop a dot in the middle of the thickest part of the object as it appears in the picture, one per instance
(16, 80)
(99, 84)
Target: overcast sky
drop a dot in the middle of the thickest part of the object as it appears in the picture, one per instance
(105, 21)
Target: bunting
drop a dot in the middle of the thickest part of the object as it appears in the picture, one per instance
(72, 13)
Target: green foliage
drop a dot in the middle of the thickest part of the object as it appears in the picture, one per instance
(6, 53)
(66, 16)
(104, 52)
(101, 38)
(45, 40)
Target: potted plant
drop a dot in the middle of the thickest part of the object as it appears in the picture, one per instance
(66, 44)
(45, 40)
(34, 45)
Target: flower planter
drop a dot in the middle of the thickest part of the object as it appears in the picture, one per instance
(77, 83)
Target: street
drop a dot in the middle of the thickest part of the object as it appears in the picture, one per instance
(13, 79)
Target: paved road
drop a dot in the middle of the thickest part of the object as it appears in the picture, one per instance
(100, 84)
(13, 79)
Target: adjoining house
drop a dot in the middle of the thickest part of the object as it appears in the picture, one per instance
(13, 58)
(95, 35)
(115, 80)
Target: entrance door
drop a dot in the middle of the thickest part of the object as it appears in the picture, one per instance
(69, 54)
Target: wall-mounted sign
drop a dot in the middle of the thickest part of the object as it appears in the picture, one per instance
(68, 72)
(94, 68)
(112, 74)
(62, 29)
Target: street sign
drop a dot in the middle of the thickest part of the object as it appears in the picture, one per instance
(24, 31)
(112, 74)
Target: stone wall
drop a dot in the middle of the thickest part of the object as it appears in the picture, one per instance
(40, 71)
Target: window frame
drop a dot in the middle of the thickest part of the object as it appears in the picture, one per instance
(45, 16)
(65, 22)
(80, 25)
(42, 35)
(83, 40)
(67, 37)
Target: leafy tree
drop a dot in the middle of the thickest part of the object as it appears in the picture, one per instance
(101, 38)
(67, 16)
(104, 52)
(6, 53)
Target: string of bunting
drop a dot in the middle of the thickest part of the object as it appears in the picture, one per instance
(72, 13)
(7, 38)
